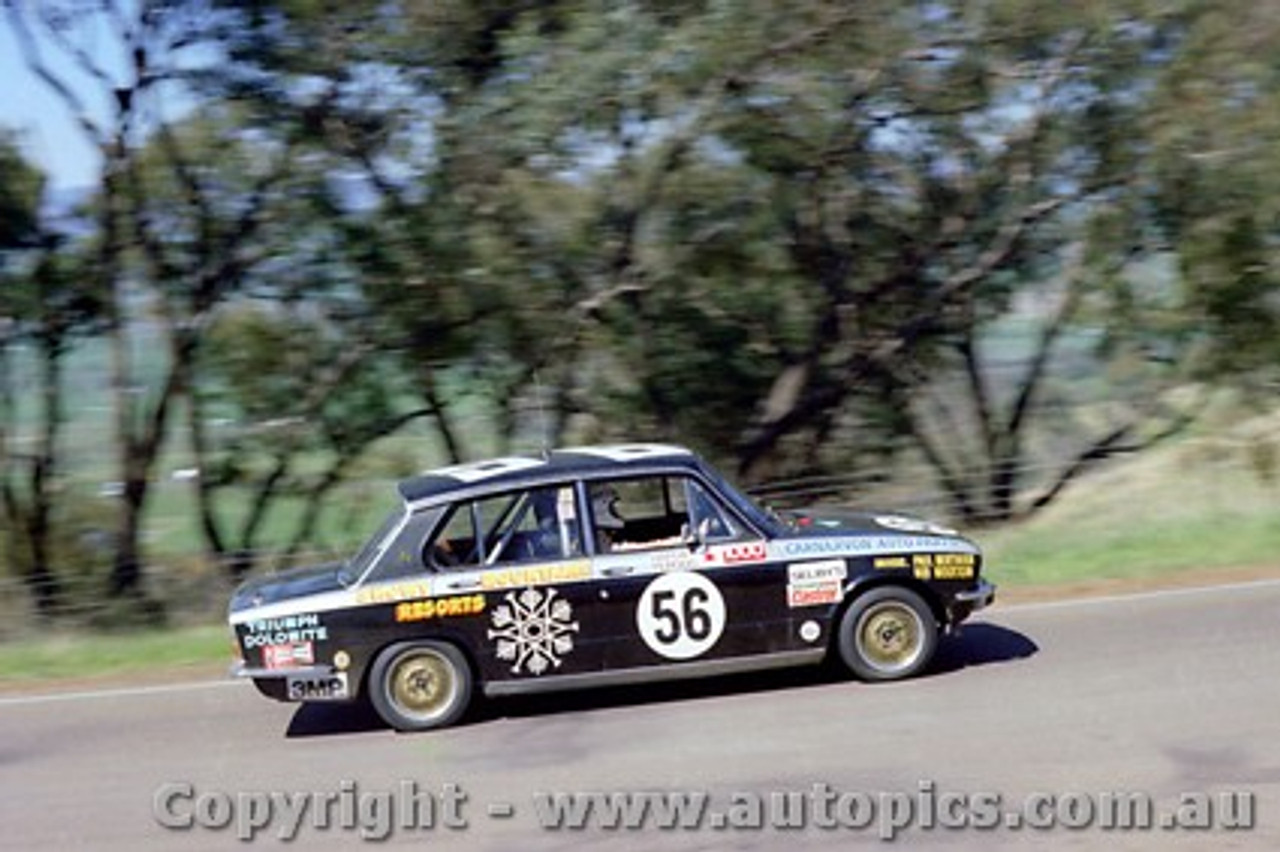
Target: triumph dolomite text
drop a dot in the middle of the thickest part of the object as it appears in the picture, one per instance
(597, 565)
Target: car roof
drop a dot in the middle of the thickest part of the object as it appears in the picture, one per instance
(491, 475)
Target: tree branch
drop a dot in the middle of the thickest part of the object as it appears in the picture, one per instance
(35, 63)
(1106, 446)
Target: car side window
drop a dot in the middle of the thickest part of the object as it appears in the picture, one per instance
(402, 557)
(706, 512)
(649, 512)
(536, 525)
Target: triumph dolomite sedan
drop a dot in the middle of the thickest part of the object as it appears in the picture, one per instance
(597, 565)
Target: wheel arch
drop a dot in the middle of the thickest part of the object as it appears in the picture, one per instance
(448, 637)
(844, 648)
(861, 585)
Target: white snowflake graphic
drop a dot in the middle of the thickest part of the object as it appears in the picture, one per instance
(534, 630)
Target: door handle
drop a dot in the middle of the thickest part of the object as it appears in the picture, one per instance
(462, 584)
(617, 570)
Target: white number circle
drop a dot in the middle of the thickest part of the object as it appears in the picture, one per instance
(680, 615)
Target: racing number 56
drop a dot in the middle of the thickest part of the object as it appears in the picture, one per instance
(680, 615)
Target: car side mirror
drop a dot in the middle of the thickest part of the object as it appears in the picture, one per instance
(695, 538)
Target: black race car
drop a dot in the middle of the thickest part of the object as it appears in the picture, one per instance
(597, 565)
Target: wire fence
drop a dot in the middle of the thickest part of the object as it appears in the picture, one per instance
(192, 587)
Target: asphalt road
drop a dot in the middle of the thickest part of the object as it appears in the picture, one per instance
(1160, 695)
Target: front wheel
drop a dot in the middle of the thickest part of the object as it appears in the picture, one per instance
(889, 633)
(416, 686)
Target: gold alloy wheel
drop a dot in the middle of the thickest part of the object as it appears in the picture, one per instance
(423, 684)
(890, 636)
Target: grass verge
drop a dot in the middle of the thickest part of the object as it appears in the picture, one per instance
(77, 657)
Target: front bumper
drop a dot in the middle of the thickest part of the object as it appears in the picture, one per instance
(966, 603)
(978, 597)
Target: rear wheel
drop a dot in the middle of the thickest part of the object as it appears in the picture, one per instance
(889, 633)
(416, 686)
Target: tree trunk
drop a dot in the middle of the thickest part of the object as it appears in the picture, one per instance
(444, 425)
(214, 545)
(126, 568)
(44, 585)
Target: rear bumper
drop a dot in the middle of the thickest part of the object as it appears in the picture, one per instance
(240, 670)
(275, 683)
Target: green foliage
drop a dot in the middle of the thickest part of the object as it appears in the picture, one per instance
(259, 363)
(21, 187)
(1215, 174)
(79, 555)
(288, 410)
(798, 235)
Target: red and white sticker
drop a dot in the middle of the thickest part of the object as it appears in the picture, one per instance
(290, 655)
(814, 594)
(735, 554)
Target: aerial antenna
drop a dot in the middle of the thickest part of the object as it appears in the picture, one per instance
(544, 427)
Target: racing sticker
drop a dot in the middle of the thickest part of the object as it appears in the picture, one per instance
(815, 583)
(913, 525)
(943, 566)
(320, 687)
(290, 655)
(680, 616)
(440, 608)
(629, 452)
(392, 592)
(536, 575)
(534, 630)
(287, 630)
(472, 472)
(814, 594)
(736, 554)
(813, 573)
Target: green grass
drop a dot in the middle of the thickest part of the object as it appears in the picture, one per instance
(1028, 556)
(73, 656)
(1199, 505)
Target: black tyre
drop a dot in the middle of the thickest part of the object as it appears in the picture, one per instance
(416, 686)
(889, 633)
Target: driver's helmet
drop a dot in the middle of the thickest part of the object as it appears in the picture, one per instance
(544, 506)
(605, 510)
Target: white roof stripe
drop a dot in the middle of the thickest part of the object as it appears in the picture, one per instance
(482, 470)
(628, 452)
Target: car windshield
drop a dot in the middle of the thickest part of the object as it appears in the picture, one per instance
(357, 565)
(741, 502)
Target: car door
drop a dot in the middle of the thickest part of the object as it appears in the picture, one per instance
(685, 579)
(523, 551)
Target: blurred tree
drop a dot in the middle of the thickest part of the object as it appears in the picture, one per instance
(337, 81)
(804, 219)
(46, 302)
(174, 236)
(799, 235)
(1213, 168)
(797, 230)
(21, 187)
(304, 400)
